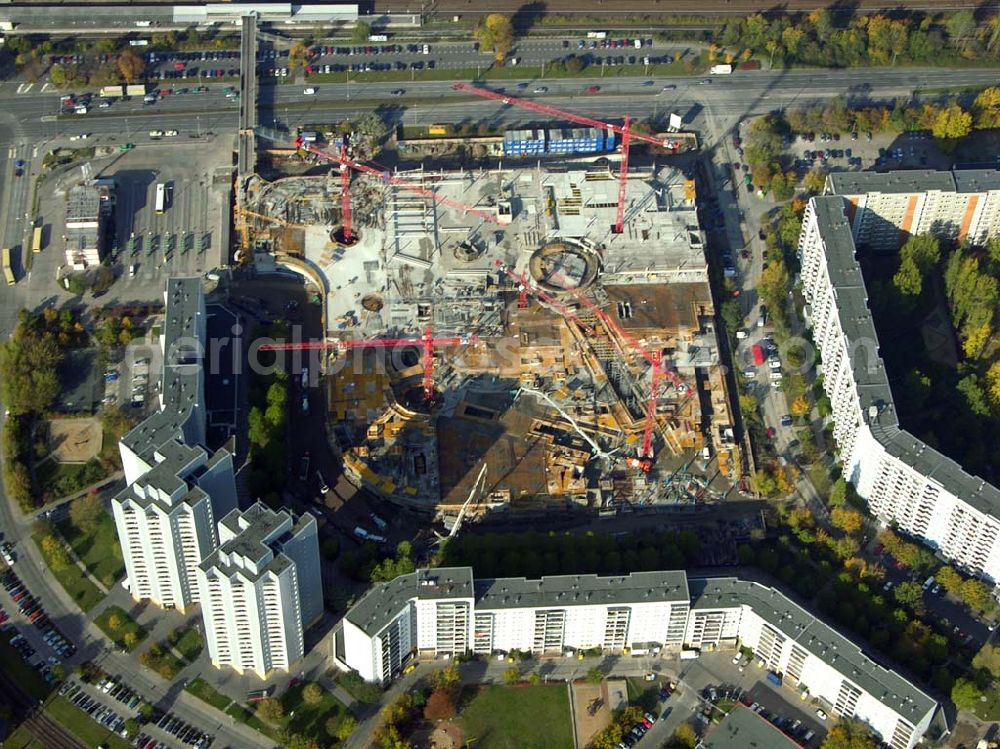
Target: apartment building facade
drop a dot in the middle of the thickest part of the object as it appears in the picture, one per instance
(166, 522)
(905, 481)
(260, 589)
(446, 612)
(176, 490)
(885, 208)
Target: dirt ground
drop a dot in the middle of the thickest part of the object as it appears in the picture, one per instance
(593, 705)
(445, 736)
(75, 440)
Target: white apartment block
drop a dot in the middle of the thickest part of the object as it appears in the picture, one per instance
(166, 522)
(905, 481)
(445, 612)
(182, 394)
(166, 517)
(884, 208)
(260, 590)
(810, 656)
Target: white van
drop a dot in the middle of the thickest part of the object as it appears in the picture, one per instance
(427, 49)
(309, 91)
(928, 582)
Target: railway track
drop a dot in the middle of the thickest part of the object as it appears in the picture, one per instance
(46, 731)
(621, 9)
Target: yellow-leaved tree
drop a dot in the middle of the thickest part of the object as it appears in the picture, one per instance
(496, 33)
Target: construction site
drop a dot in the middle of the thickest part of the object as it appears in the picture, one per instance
(513, 338)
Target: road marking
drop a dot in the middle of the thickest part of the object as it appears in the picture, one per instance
(48, 118)
(47, 87)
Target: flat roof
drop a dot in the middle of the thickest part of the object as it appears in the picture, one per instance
(582, 590)
(869, 372)
(380, 605)
(914, 181)
(182, 370)
(812, 634)
(745, 729)
(260, 534)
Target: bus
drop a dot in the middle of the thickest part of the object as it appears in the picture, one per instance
(36, 239)
(161, 198)
(7, 272)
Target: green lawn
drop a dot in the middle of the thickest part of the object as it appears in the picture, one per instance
(207, 693)
(27, 677)
(63, 479)
(82, 725)
(187, 641)
(84, 593)
(518, 718)
(127, 625)
(307, 720)
(158, 658)
(99, 550)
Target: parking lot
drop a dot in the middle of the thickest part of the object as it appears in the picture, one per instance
(748, 684)
(147, 245)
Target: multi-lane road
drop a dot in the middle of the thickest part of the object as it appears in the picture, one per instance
(34, 114)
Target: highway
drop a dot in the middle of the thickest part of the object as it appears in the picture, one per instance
(728, 97)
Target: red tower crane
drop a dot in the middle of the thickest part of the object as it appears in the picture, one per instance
(391, 179)
(624, 131)
(524, 288)
(426, 342)
(345, 194)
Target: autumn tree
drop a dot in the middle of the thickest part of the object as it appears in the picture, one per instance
(986, 109)
(814, 181)
(131, 66)
(341, 728)
(988, 657)
(312, 694)
(448, 679)
(130, 640)
(949, 579)
(298, 56)
(849, 521)
(800, 406)
(685, 737)
(512, 675)
(909, 594)
(86, 512)
(440, 706)
(951, 123)
(56, 554)
(115, 622)
(496, 33)
(849, 734)
(976, 593)
(270, 710)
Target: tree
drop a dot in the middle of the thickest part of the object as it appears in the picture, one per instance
(849, 521)
(312, 694)
(512, 675)
(28, 380)
(115, 622)
(55, 553)
(130, 640)
(849, 734)
(131, 727)
(966, 694)
(951, 123)
(496, 33)
(988, 657)
(909, 594)
(258, 431)
(595, 675)
(986, 108)
(814, 181)
(685, 736)
(440, 706)
(448, 679)
(298, 56)
(131, 66)
(993, 383)
(977, 594)
(800, 406)
(341, 728)
(86, 512)
(270, 710)
(960, 26)
(361, 32)
(371, 126)
(838, 492)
